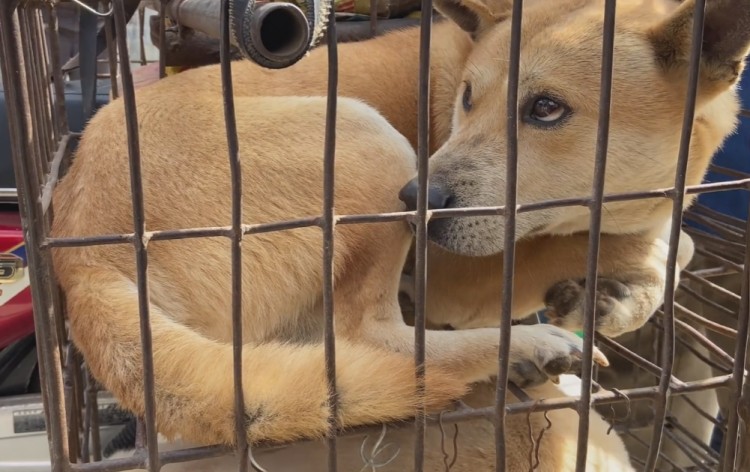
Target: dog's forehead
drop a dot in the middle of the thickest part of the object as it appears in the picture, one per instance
(574, 23)
(561, 44)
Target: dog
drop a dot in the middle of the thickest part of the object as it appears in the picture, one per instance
(186, 184)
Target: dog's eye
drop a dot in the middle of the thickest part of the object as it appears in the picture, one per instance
(547, 111)
(466, 100)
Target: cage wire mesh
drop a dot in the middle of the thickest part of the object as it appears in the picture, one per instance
(673, 391)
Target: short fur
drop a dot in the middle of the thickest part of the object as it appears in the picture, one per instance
(553, 448)
(186, 184)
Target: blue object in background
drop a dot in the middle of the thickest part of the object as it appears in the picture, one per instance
(735, 155)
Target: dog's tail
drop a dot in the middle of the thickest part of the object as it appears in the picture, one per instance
(285, 388)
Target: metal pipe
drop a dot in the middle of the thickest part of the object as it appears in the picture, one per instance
(273, 35)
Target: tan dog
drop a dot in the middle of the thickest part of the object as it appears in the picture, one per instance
(186, 184)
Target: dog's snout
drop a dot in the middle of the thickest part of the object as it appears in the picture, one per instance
(438, 197)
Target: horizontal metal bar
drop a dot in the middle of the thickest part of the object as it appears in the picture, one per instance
(600, 398)
(225, 231)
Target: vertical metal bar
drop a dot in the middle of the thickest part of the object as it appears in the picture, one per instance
(230, 123)
(729, 458)
(38, 82)
(420, 269)
(667, 357)
(595, 210)
(141, 27)
(373, 18)
(139, 228)
(29, 73)
(30, 210)
(50, 133)
(61, 119)
(70, 389)
(162, 39)
(111, 53)
(92, 401)
(509, 236)
(87, 59)
(328, 234)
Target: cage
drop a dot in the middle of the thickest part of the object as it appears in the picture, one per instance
(676, 391)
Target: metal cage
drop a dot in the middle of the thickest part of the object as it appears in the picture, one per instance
(710, 320)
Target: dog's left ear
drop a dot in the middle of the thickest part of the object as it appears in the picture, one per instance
(474, 16)
(726, 41)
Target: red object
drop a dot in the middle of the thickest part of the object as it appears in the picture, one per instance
(16, 314)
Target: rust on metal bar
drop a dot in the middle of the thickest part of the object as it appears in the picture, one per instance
(225, 231)
(509, 234)
(599, 398)
(329, 223)
(420, 264)
(668, 352)
(230, 125)
(595, 210)
(139, 229)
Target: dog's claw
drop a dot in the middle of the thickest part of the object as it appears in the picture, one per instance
(541, 353)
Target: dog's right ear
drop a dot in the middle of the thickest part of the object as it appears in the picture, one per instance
(474, 16)
(726, 41)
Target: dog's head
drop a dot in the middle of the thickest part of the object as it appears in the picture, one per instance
(558, 95)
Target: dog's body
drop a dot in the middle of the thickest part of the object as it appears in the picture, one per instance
(187, 184)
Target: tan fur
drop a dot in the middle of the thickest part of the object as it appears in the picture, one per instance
(186, 184)
(189, 319)
(475, 444)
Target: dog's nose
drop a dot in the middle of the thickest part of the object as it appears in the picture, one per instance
(438, 197)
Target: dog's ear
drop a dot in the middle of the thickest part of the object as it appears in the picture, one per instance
(474, 16)
(726, 41)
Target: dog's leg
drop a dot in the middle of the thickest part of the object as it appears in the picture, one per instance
(550, 272)
(367, 309)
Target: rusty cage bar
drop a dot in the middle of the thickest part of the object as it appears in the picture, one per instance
(42, 144)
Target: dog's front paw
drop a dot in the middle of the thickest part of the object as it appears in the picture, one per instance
(624, 301)
(543, 352)
(619, 307)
